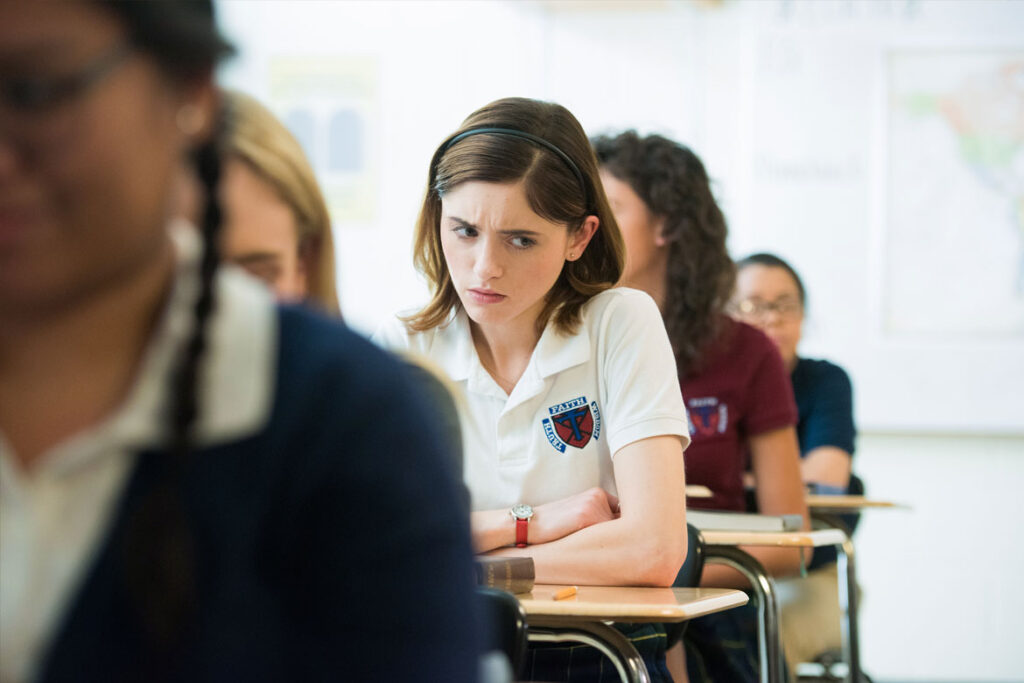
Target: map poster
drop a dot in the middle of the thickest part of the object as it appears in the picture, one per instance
(954, 237)
(331, 105)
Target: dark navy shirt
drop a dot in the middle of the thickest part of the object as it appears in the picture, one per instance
(824, 401)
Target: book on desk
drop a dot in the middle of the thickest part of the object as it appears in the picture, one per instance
(512, 574)
(714, 520)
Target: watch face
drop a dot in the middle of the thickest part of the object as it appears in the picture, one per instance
(522, 511)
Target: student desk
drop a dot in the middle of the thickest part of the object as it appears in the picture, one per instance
(824, 509)
(722, 547)
(583, 618)
(844, 503)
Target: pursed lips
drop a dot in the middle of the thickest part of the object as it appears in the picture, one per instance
(486, 296)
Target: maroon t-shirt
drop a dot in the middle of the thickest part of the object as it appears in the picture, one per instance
(741, 391)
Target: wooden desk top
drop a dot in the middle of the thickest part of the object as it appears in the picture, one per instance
(697, 491)
(847, 503)
(629, 604)
(795, 539)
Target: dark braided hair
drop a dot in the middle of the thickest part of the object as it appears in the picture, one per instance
(160, 553)
(182, 38)
(672, 182)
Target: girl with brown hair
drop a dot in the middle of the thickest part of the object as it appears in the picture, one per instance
(574, 426)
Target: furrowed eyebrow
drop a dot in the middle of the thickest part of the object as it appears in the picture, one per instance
(461, 222)
(520, 233)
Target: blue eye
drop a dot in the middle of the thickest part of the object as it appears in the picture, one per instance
(464, 231)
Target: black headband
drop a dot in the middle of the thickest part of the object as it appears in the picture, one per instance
(513, 133)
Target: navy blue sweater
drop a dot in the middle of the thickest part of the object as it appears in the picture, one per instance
(331, 545)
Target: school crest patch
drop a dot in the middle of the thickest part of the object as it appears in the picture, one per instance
(572, 423)
(707, 416)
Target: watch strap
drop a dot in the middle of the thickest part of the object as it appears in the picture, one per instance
(522, 526)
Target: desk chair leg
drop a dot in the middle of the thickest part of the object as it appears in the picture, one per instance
(769, 645)
(606, 639)
(848, 599)
(847, 575)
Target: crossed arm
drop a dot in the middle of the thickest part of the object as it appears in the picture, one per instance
(594, 538)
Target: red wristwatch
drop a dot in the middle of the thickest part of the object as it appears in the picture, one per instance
(522, 514)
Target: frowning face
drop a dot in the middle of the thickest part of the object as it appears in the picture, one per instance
(503, 258)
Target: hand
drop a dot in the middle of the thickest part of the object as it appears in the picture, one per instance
(552, 521)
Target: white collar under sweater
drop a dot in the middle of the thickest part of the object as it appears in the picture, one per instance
(52, 519)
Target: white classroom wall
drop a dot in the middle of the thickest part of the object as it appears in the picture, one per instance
(791, 104)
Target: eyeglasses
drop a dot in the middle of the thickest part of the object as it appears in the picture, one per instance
(35, 107)
(34, 94)
(759, 309)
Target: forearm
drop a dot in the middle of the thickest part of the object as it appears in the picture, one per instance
(492, 529)
(620, 552)
(827, 465)
(637, 538)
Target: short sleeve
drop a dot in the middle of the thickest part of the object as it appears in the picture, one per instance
(770, 402)
(829, 418)
(638, 372)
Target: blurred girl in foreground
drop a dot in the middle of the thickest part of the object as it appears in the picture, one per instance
(192, 481)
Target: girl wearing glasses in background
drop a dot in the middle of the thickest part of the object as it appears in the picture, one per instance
(771, 296)
(738, 397)
(194, 483)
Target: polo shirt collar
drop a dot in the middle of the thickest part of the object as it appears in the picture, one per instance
(557, 351)
(554, 353)
(455, 351)
(236, 380)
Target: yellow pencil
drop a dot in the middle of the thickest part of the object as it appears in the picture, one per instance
(566, 592)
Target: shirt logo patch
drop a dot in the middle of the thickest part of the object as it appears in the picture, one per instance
(707, 416)
(572, 423)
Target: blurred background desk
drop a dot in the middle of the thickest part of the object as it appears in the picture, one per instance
(722, 547)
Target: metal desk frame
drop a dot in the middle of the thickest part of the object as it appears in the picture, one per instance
(768, 613)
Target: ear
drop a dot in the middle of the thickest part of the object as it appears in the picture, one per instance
(199, 102)
(579, 240)
(660, 239)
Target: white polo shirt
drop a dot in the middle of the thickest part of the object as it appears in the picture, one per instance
(581, 399)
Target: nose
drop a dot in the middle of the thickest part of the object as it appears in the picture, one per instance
(488, 263)
(771, 317)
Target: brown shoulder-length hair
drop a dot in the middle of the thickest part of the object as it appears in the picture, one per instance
(672, 182)
(554, 189)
